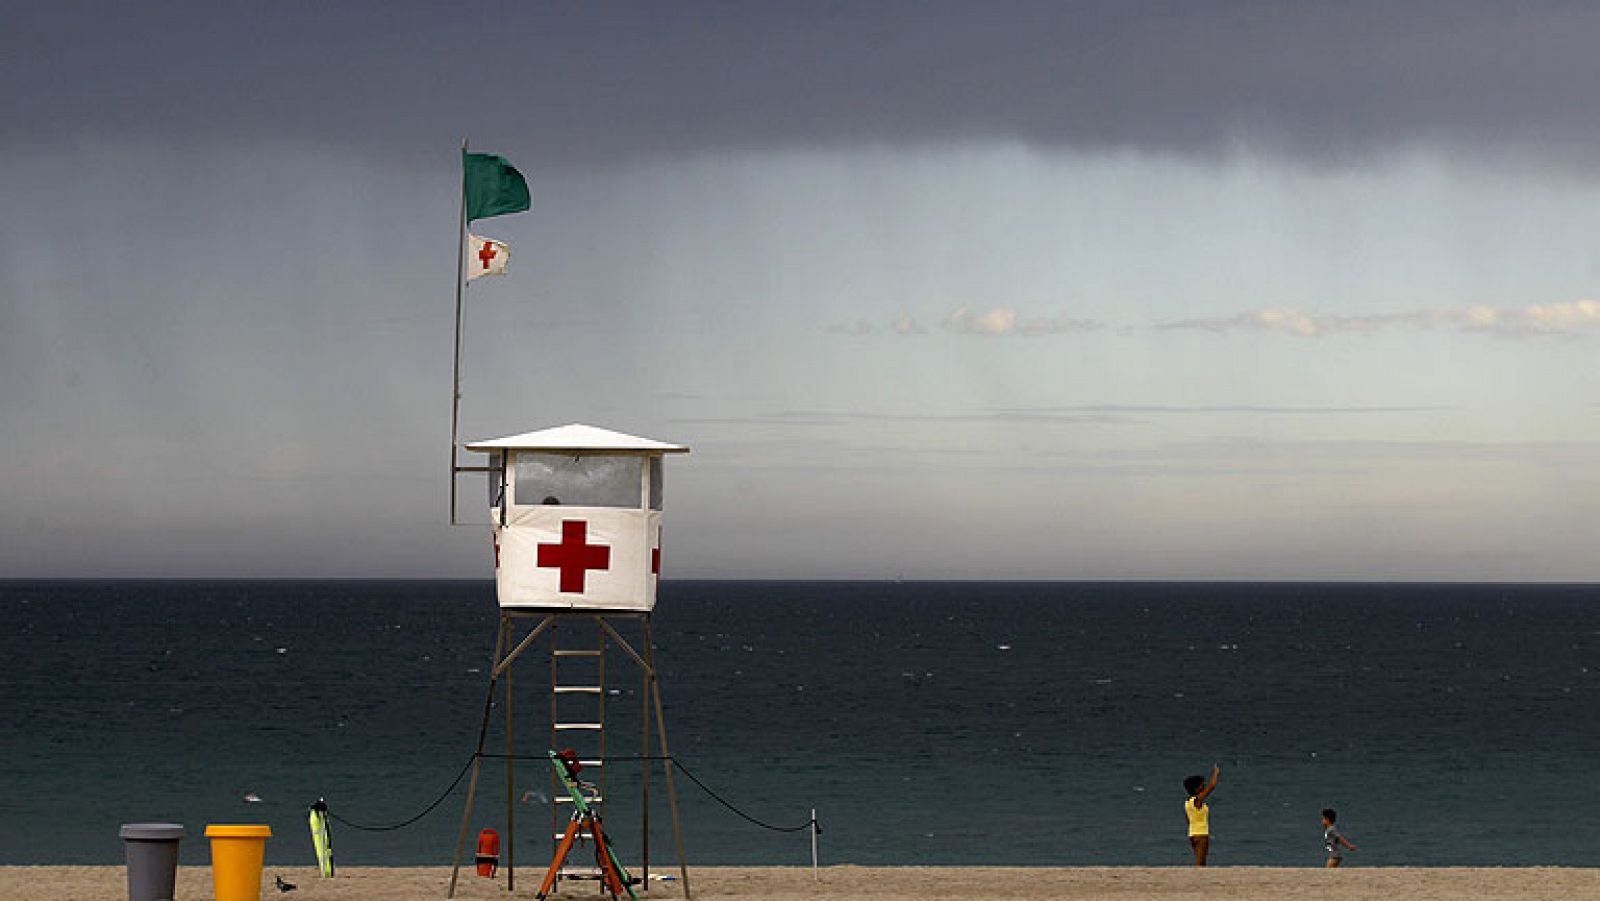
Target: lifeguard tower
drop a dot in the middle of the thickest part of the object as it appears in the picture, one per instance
(576, 515)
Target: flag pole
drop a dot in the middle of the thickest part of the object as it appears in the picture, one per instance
(455, 384)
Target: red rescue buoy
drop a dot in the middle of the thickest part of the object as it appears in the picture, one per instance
(488, 852)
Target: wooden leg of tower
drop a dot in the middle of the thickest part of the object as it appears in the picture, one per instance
(666, 753)
(644, 784)
(477, 757)
(511, 797)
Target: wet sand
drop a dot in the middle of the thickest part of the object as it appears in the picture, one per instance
(851, 882)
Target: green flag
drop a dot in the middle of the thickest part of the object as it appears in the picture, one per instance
(493, 186)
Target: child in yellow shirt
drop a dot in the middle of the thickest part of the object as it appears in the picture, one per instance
(1198, 813)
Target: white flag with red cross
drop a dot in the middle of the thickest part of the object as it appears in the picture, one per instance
(486, 256)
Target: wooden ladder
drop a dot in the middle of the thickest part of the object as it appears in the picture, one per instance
(577, 721)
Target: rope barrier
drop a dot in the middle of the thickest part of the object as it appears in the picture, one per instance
(425, 811)
(811, 824)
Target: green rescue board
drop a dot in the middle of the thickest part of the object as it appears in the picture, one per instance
(320, 840)
(575, 791)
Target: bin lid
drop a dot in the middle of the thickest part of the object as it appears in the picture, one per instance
(152, 831)
(223, 830)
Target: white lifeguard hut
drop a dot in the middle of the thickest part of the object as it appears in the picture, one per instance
(576, 516)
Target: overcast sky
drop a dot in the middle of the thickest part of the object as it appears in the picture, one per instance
(934, 290)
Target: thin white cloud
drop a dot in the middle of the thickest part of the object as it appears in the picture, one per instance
(1560, 318)
(998, 321)
(1108, 413)
(1058, 325)
(903, 324)
(858, 327)
(1563, 316)
(965, 321)
(1006, 321)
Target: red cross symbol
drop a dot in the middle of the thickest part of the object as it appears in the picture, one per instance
(655, 555)
(487, 253)
(574, 556)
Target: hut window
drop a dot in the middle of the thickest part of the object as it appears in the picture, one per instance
(497, 482)
(576, 480)
(655, 483)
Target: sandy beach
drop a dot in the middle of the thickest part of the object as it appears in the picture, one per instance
(76, 883)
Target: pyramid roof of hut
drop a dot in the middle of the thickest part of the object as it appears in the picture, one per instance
(577, 436)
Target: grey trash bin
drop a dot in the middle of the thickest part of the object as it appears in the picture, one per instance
(152, 859)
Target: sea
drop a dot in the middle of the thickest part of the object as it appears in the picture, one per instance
(925, 723)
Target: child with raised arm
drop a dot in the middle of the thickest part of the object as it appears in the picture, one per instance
(1198, 813)
(1332, 839)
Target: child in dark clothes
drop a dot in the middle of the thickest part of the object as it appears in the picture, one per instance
(1332, 840)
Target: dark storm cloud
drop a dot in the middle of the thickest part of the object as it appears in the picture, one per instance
(579, 82)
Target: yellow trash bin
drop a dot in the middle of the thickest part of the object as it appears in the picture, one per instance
(236, 856)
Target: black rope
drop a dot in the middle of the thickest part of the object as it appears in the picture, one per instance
(809, 824)
(425, 811)
(630, 758)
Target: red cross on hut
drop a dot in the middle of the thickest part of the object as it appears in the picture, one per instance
(577, 517)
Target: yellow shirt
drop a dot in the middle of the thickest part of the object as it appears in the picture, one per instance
(1199, 817)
